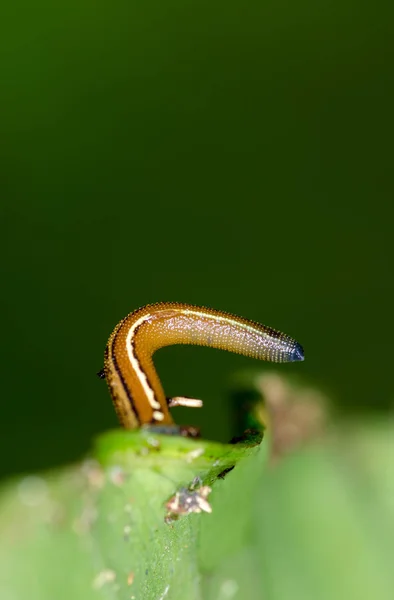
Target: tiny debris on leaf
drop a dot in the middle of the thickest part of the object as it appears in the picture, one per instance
(126, 532)
(187, 501)
(190, 456)
(105, 576)
(93, 472)
(117, 476)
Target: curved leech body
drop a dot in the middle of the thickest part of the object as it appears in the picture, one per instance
(135, 387)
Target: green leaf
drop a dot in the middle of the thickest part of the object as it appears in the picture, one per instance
(98, 530)
(326, 520)
(317, 523)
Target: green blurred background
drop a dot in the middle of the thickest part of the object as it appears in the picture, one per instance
(230, 154)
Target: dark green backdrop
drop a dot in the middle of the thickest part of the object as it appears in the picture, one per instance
(236, 154)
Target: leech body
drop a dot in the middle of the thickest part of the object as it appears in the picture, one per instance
(135, 387)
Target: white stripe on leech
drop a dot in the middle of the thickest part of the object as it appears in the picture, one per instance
(136, 365)
(140, 372)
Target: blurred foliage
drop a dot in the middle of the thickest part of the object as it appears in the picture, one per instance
(298, 517)
(98, 530)
(233, 154)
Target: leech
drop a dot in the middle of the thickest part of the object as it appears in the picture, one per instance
(135, 387)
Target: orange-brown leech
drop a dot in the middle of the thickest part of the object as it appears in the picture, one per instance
(135, 387)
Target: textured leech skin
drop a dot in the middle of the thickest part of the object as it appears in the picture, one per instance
(135, 387)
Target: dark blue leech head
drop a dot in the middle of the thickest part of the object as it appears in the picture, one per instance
(297, 353)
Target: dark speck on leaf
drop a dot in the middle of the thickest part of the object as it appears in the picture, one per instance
(223, 474)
